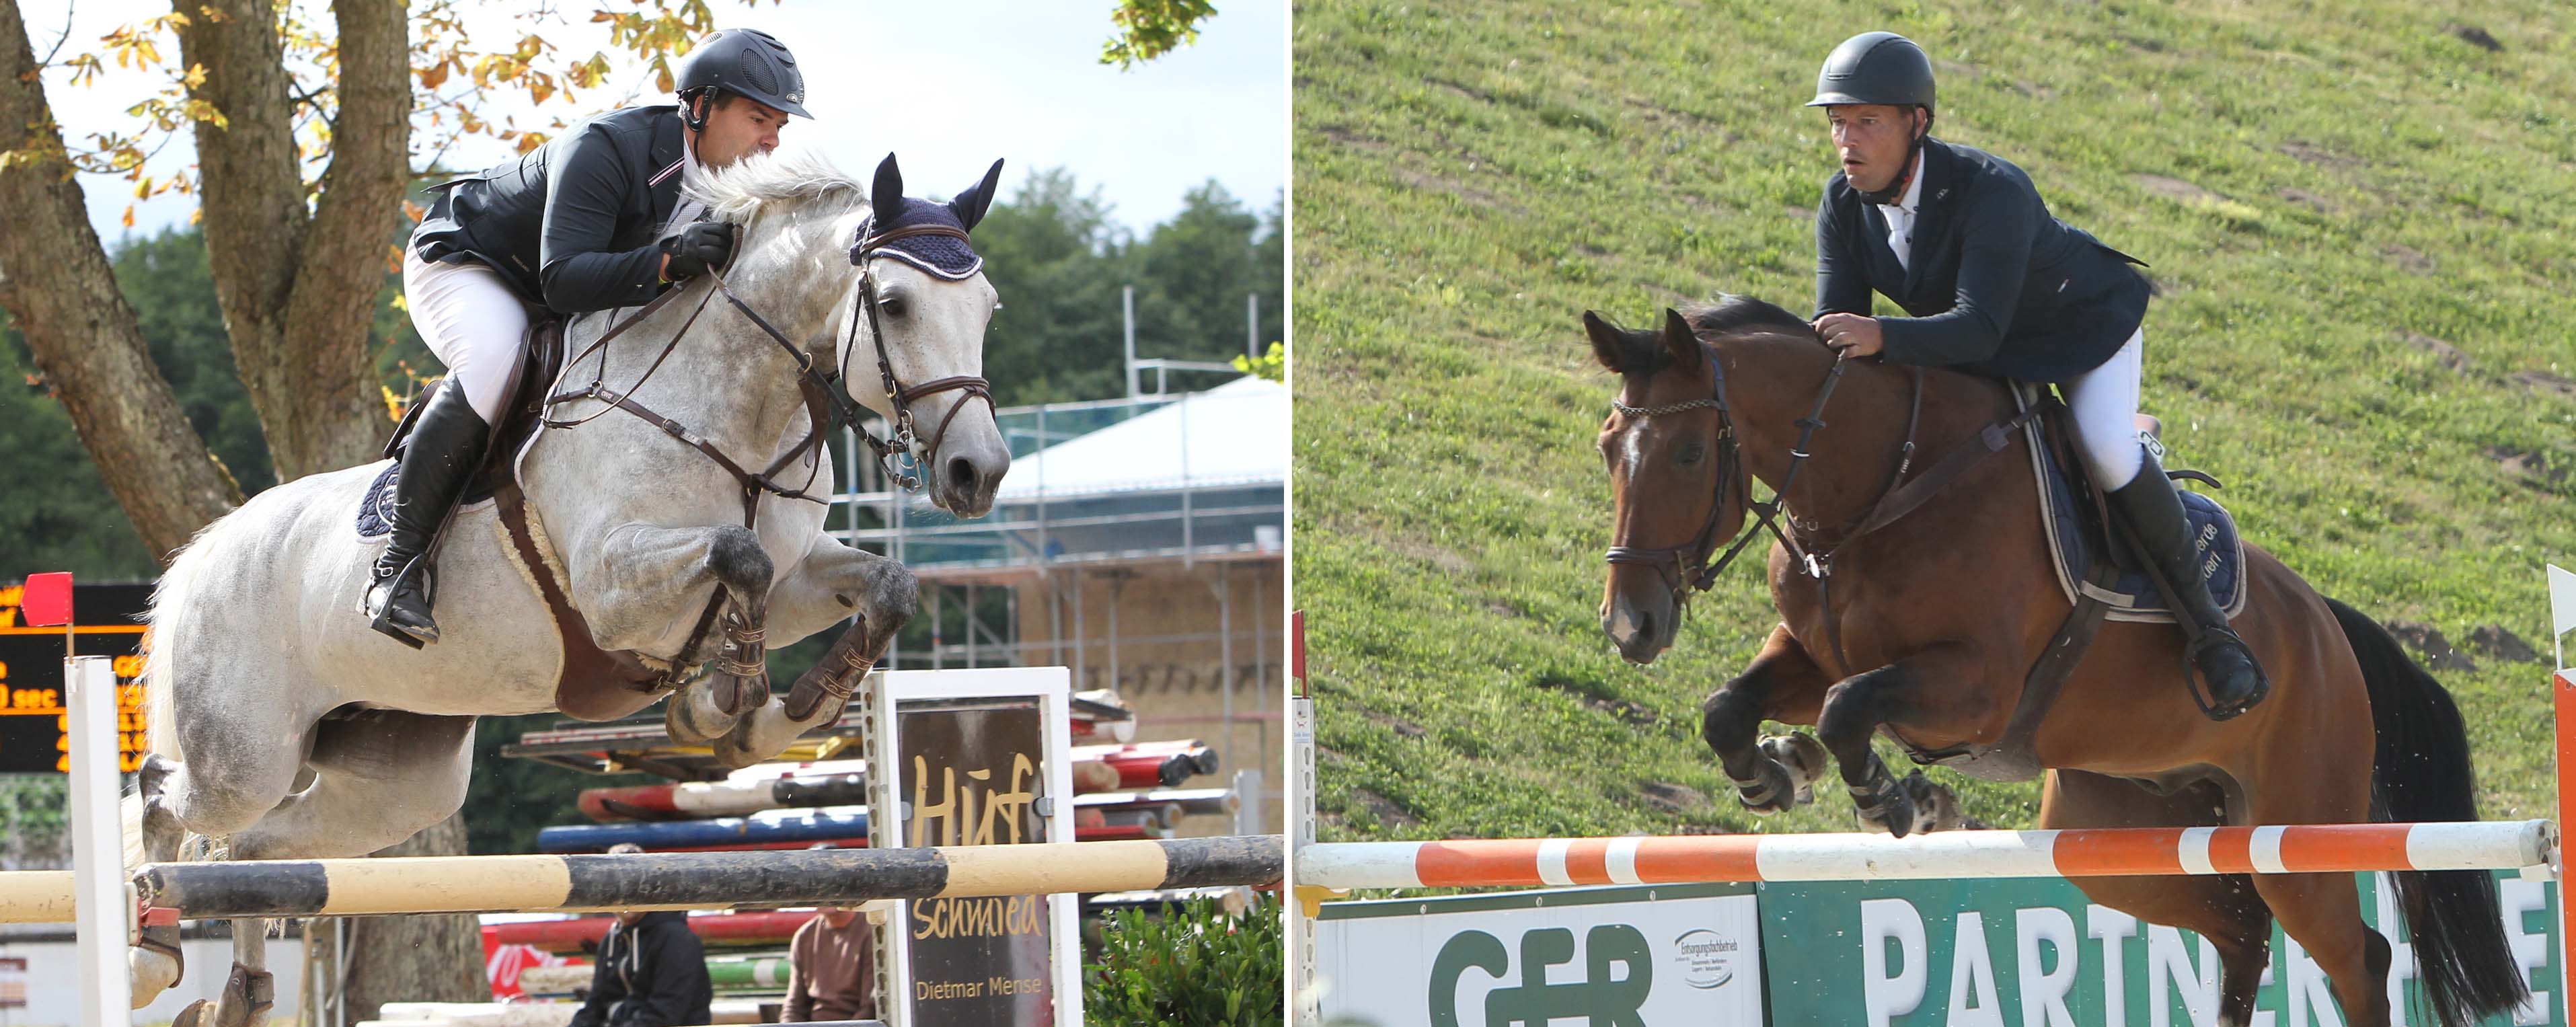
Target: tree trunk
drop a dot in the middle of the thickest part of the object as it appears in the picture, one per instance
(297, 288)
(417, 958)
(57, 286)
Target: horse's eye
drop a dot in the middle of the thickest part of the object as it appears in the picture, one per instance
(893, 306)
(1691, 453)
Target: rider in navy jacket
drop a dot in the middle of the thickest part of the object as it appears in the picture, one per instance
(1995, 285)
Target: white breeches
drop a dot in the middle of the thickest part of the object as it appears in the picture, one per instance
(474, 322)
(2104, 402)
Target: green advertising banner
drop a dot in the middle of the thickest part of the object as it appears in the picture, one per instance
(2037, 953)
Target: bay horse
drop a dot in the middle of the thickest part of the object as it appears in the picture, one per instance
(1922, 628)
(284, 728)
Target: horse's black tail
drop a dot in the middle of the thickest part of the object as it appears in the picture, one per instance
(2422, 773)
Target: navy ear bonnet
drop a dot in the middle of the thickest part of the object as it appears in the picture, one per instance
(944, 255)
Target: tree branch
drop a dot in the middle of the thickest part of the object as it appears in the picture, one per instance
(62, 295)
(69, 9)
(334, 294)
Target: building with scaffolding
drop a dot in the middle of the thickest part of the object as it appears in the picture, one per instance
(1137, 541)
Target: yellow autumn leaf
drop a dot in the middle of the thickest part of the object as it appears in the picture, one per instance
(540, 87)
(129, 215)
(433, 76)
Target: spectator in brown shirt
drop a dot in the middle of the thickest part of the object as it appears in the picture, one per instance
(832, 968)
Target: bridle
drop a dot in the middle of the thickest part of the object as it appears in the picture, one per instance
(826, 407)
(1671, 562)
(1688, 568)
(864, 254)
(1693, 566)
(826, 404)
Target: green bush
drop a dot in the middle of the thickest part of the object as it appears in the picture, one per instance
(1188, 963)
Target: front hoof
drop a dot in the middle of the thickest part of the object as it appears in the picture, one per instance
(694, 717)
(1770, 791)
(1804, 756)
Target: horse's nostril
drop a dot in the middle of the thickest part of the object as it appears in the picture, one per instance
(961, 473)
(1645, 625)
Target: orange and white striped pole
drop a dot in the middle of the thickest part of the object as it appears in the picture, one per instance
(2118, 852)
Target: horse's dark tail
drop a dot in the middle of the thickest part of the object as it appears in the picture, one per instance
(2422, 773)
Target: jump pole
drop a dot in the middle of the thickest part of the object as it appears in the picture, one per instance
(664, 880)
(2109, 852)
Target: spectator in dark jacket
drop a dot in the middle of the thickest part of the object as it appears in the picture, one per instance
(652, 972)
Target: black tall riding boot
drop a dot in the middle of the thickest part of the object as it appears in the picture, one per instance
(445, 448)
(2154, 513)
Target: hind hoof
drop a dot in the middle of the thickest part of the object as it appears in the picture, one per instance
(1887, 810)
(245, 1002)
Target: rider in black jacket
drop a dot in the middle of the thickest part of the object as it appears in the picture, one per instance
(1995, 285)
(576, 225)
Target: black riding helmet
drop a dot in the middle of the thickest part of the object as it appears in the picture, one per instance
(1879, 68)
(747, 63)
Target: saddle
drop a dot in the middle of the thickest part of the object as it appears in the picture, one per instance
(2100, 571)
(594, 684)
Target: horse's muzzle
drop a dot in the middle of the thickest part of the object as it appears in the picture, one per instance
(1642, 627)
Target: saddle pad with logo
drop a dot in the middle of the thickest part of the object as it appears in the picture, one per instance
(2132, 597)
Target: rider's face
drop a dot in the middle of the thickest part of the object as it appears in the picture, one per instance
(738, 129)
(1871, 140)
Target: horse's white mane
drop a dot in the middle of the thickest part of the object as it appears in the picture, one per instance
(798, 178)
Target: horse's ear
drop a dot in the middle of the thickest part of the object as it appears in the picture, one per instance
(886, 196)
(1681, 340)
(1609, 342)
(970, 205)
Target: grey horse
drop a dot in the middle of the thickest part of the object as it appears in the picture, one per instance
(283, 728)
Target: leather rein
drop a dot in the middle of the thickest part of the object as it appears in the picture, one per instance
(1693, 566)
(826, 407)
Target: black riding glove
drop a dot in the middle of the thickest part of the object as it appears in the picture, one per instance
(694, 249)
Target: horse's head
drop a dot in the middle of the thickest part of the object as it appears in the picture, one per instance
(1676, 476)
(901, 302)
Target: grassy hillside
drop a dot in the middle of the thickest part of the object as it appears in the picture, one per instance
(2358, 219)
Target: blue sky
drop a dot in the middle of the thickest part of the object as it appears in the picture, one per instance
(948, 86)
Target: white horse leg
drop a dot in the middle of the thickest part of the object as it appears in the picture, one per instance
(243, 755)
(247, 994)
(834, 581)
(380, 777)
(637, 571)
(828, 585)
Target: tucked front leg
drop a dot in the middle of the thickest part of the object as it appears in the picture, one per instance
(645, 584)
(1935, 693)
(835, 581)
(1784, 684)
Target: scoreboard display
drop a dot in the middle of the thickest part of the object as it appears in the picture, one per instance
(32, 714)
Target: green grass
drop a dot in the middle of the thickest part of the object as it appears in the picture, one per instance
(1470, 177)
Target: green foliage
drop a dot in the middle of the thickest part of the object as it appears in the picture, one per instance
(33, 820)
(1471, 178)
(1059, 262)
(1272, 365)
(1190, 963)
(1148, 29)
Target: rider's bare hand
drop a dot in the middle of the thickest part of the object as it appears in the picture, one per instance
(1854, 332)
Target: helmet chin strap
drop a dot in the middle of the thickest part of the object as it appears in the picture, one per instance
(1905, 175)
